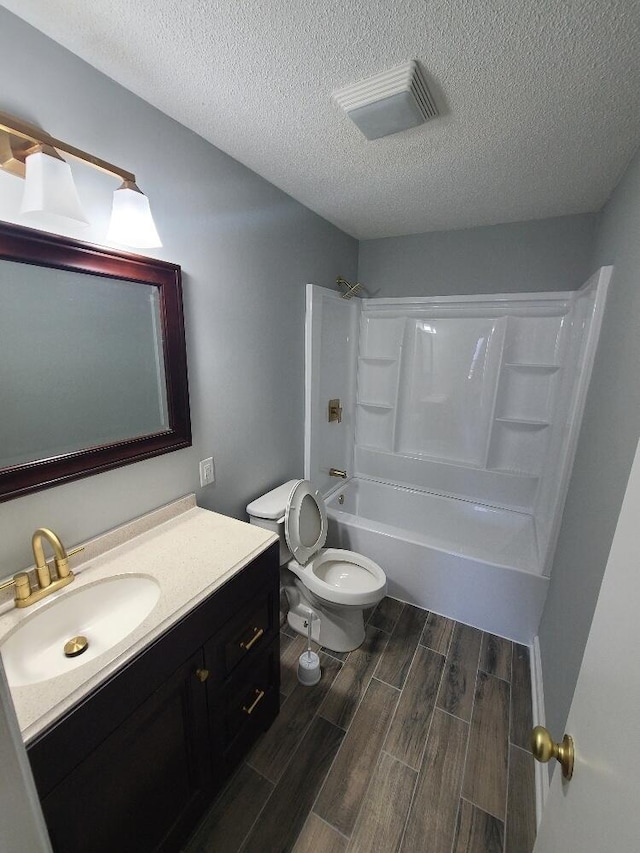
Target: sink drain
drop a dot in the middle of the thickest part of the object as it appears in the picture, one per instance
(75, 646)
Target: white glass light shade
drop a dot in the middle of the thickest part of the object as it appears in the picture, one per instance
(50, 197)
(131, 220)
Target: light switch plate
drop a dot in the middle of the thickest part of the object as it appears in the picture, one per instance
(207, 475)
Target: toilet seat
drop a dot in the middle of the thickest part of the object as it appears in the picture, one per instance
(333, 574)
(305, 521)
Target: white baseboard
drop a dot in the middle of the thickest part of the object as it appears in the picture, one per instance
(537, 696)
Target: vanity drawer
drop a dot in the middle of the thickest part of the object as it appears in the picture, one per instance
(244, 637)
(250, 636)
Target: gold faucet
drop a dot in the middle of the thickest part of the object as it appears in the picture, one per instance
(25, 594)
(60, 558)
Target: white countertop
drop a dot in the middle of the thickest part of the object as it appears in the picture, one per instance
(189, 551)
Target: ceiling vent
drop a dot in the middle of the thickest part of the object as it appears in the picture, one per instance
(388, 102)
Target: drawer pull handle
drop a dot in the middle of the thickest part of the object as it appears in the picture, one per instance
(202, 674)
(256, 701)
(258, 633)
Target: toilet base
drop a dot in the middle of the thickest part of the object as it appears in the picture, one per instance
(339, 630)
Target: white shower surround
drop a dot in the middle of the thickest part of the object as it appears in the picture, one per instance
(456, 410)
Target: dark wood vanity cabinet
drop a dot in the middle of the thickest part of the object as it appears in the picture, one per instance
(135, 763)
(142, 786)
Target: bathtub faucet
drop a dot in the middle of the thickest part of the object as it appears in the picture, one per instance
(337, 472)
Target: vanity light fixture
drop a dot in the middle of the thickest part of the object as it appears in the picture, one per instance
(50, 197)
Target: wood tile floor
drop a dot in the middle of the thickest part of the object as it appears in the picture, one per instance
(416, 741)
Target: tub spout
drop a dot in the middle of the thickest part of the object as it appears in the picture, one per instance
(337, 472)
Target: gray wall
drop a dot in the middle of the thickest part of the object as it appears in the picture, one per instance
(547, 254)
(606, 448)
(246, 250)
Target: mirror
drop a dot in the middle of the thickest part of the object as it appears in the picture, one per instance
(93, 370)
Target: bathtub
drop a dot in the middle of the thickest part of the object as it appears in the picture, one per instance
(470, 562)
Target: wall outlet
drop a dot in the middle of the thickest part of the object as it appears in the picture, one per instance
(206, 471)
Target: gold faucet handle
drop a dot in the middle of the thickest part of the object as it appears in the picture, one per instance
(23, 586)
(335, 411)
(62, 565)
(21, 583)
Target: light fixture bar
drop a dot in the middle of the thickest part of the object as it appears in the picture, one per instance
(50, 195)
(18, 137)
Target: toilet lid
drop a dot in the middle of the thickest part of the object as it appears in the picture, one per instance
(305, 521)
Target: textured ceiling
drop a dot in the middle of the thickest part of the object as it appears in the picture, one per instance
(539, 99)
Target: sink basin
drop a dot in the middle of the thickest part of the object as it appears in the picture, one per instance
(104, 612)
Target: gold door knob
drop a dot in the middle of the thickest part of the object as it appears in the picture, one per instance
(544, 749)
(202, 674)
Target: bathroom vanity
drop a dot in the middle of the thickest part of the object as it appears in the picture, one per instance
(136, 757)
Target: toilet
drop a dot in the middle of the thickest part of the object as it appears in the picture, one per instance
(328, 586)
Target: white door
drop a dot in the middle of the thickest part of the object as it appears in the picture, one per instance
(598, 811)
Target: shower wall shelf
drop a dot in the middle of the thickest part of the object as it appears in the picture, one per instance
(368, 405)
(524, 423)
(513, 472)
(533, 368)
(378, 381)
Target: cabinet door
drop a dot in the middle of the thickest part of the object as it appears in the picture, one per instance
(145, 785)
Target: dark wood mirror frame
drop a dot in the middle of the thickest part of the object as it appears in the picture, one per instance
(28, 246)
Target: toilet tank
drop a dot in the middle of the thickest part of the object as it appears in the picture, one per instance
(268, 512)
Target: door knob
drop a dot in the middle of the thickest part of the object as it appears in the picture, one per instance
(544, 749)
